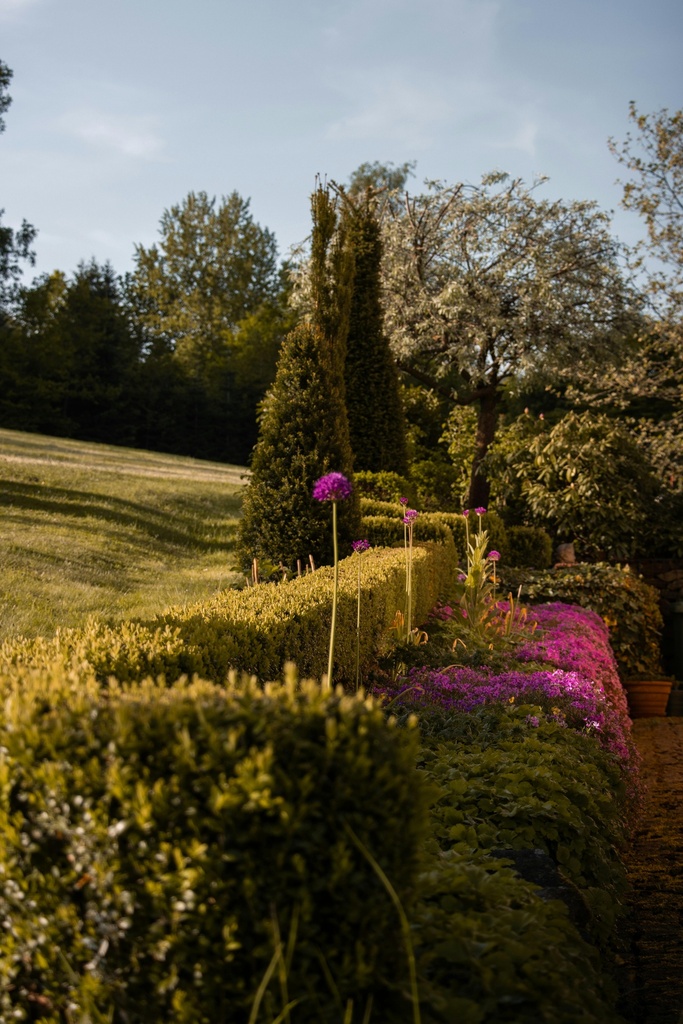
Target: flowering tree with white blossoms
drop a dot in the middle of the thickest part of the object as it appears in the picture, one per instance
(486, 286)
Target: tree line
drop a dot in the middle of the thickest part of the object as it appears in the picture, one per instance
(453, 310)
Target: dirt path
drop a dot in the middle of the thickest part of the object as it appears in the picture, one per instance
(653, 974)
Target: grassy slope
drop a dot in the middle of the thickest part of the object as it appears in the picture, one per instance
(93, 529)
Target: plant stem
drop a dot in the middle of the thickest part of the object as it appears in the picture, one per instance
(409, 582)
(358, 629)
(334, 596)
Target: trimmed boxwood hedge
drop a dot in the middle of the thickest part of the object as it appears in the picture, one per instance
(156, 845)
(259, 629)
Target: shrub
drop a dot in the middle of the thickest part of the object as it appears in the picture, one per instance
(490, 950)
(375, 507)
(529, 547)
(257, 630)
(303, 435)
(627, 605)
(387, 531)
(385, 486)
(157, 844)
(586, 478)
(438, 485)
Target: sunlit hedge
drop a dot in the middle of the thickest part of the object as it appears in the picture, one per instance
(157, 844)
(257, 630)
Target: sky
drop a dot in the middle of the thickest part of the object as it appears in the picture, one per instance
(120, 109)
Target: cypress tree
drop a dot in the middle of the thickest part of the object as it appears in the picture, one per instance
(304, 431)
(376, 420)
(299, 442)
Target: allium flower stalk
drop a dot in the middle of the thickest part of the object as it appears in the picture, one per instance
(358, 546)
(332, 487)
(408, 522)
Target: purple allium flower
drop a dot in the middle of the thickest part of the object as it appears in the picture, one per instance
(332, 487)
(410, 516)
(360, 545)
(480, 511)
(404, 501)
(466, 512)
(494, 556)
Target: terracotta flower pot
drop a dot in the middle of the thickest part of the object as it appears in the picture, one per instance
(647, 698)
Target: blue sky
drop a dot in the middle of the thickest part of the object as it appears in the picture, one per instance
(121, 108)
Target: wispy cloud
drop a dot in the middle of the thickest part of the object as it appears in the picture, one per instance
(394, 111)
(130, 136)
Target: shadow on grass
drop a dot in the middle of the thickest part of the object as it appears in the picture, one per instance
(83, 504)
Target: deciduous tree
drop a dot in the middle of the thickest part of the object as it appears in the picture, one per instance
(487, 286)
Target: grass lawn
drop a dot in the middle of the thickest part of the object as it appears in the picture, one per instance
(90, 529)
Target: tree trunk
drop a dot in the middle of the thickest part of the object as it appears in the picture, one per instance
(480, 486)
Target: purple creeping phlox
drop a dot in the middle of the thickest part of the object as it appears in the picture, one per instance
(579, 688)
(333, 487)
(576, 639)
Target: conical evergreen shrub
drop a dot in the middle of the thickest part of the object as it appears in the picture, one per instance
(377, 427)
(300, 440)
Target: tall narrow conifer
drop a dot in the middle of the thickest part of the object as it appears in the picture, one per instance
(376, 421)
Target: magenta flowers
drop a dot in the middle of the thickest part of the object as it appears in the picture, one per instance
(493, 556)
(360, 545)
(332, 487)
(410, 516)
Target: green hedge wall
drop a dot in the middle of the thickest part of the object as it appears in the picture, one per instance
(259, 629)
(156, 844)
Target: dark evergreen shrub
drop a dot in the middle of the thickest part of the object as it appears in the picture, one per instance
(302, 438)
(530, 547)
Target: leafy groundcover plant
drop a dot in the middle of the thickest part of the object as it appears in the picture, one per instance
(532, 760)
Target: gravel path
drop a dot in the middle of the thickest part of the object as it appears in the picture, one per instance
(653, 972)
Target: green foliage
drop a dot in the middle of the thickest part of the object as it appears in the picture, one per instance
(385, 486)
(487, 286)
(387, 531)
(439, 485)
(15, 246)
(585, 478)
(157, 845)
(258, 629)
(530, 547)
(376, 420)
(303, 436)
(628, 605)
(375, 507)
(492, 523)
(489, 948)
(490, 951)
